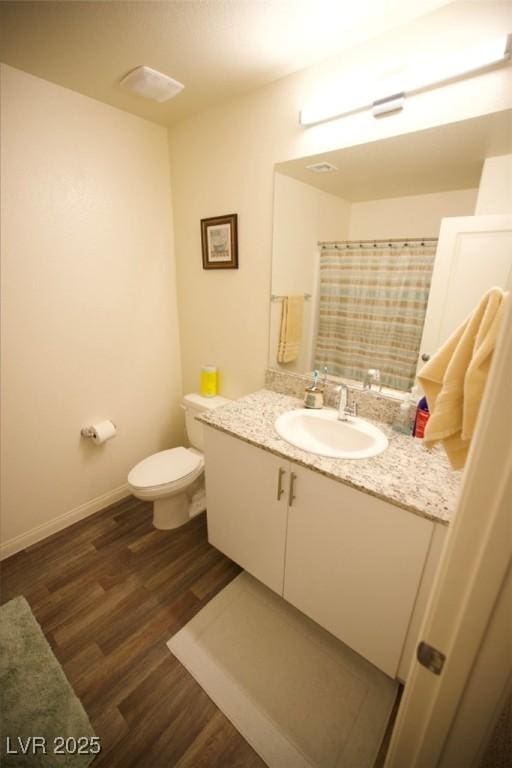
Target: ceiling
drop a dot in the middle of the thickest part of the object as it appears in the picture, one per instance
(219, 49)
(435, 160)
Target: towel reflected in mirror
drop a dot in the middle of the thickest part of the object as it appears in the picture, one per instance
(290, 335)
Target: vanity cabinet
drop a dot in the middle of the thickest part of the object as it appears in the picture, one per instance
(351, 562)
(246, 520)
(354, 564)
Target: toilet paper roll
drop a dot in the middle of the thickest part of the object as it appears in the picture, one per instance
(103, 431)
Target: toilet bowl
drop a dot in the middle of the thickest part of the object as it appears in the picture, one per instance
(174, 479)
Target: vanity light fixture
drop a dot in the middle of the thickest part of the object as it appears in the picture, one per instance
(151, 84)
(390, 104)
(432, 73)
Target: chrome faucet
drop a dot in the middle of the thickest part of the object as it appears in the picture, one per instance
(343, 409)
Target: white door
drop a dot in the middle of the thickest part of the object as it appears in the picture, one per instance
(445, 719)
(247, 500)
(474, 253)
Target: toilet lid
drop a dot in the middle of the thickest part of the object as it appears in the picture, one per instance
(164, 467)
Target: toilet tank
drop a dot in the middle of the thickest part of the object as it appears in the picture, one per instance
(193, 405)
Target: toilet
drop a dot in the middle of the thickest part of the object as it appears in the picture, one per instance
(174, 479)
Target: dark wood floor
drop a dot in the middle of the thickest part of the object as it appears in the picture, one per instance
(108, 593)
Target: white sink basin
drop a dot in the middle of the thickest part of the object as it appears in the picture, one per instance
(321, 432)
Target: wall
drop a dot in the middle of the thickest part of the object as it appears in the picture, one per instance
(413, 216)
(89, 323)
(495, 190)
(222, 161)
(303, 215)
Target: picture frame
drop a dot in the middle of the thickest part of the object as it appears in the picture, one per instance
(219, 242)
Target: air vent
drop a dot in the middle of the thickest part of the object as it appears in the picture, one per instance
(322, 167)
(151, 84)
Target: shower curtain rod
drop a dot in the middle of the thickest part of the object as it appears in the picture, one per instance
(385, 241)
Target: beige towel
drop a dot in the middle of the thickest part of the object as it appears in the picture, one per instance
(454, 379)
(290, 335)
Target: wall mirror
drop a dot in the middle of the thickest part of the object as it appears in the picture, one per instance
(372, 263)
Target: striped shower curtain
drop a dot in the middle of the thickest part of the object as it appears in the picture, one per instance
(373, 298)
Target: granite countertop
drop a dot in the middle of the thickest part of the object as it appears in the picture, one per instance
(405, 474)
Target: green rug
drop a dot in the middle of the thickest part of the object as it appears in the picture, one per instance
(36, 699)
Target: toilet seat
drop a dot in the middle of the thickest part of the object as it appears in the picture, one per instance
(165, 472)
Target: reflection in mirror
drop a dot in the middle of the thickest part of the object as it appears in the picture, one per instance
(372, 299)
(354, 248)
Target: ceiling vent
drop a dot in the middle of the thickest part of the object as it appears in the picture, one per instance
(151, 84)
(322, 167)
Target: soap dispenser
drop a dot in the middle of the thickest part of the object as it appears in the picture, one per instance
(314, 395)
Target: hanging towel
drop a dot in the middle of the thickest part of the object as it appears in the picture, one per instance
(454, 379)
(290, 335)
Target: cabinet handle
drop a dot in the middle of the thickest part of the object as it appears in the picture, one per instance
(280, 489)
(291, 495)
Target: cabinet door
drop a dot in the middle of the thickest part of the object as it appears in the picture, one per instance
(353, 564)
(245, 519)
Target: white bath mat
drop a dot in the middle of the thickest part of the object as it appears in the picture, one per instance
(297, 695)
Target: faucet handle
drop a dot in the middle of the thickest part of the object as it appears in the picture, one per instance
(372, 376)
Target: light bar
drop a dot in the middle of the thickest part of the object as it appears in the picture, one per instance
(420, 75)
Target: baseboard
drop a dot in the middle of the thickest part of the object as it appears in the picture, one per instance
(24, 540)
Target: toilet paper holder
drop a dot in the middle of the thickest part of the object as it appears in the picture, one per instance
(90, 432)
(87, 432)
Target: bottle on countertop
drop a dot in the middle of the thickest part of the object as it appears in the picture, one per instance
(404, 418)
(314, 395)
(422, 416)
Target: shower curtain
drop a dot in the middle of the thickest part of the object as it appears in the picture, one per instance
(373, 298)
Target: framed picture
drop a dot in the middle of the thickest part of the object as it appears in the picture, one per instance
(219, 240)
